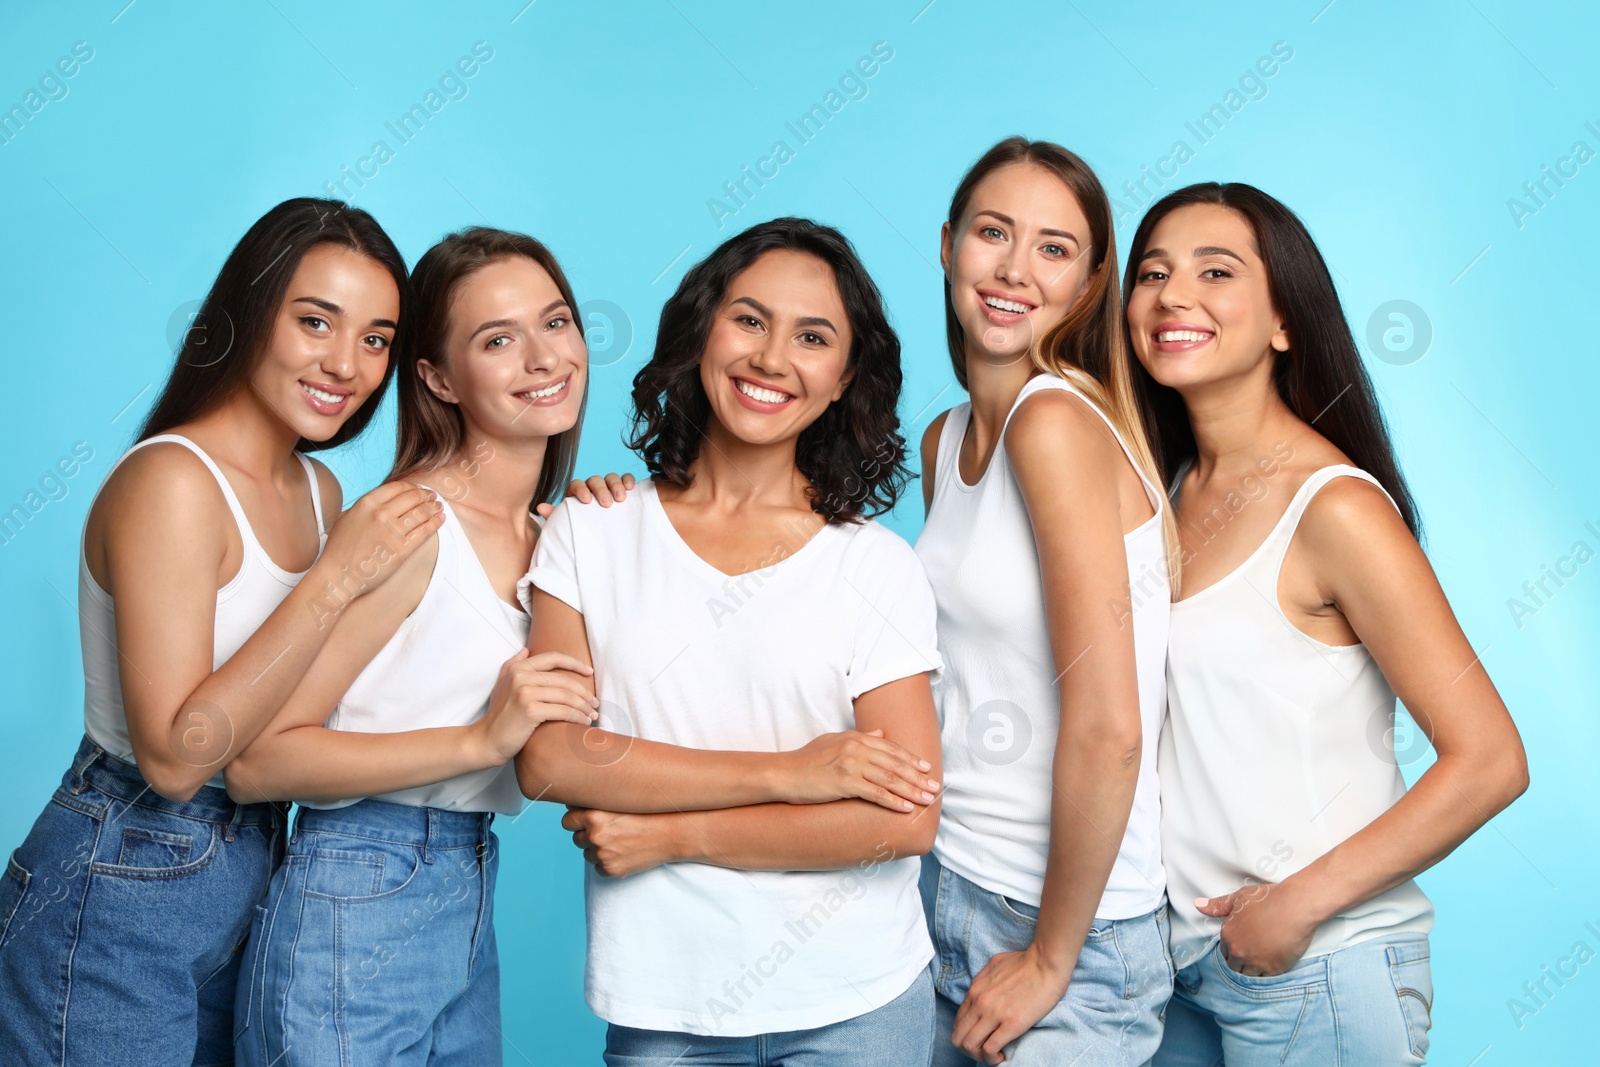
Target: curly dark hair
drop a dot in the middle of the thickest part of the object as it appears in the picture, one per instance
(853, 455)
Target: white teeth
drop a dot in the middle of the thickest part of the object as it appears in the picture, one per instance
(769, 396)
(1182, 335)
(1006, 305)
(325, 397)
(540, 394)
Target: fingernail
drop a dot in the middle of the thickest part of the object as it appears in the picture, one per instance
(906, 805)
(923, 764)
(1201, 902)
(932, 784)
(927, 797)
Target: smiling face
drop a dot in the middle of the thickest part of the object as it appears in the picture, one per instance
(1019, 261)
(778, 347)
(516, 361)
(1201, 310)
(330, 342)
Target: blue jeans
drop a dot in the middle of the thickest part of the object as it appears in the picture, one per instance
(1362, 1006)
(1112, 1013)
(376, 943)
(899, 1033)
(123, 919)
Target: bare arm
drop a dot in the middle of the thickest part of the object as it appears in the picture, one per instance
(1371, 570)
(592, 768)
(784, 837)
(1067, 465)
(165, 541)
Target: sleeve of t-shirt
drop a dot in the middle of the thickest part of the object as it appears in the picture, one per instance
(896, 621)
(555, 562)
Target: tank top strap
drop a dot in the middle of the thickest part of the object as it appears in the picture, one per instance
(316, 492)
(1040, 382)
(1276, 547)
(950, 435)
(228, 494)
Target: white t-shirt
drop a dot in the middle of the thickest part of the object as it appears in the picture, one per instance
(767, 661)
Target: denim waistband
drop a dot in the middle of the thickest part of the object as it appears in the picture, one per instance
(95, 768)
(407, 824)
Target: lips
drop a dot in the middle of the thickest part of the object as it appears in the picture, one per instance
(325, 399)
(758, 397)
(549, 393)
(1004, 309)
(1180, 337)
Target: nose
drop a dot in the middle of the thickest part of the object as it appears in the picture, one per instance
(339, 360)
(1012, 268)
(1175, 293)
(769, 356)
(539, 355)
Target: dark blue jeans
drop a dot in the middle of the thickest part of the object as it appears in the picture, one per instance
(123, 918)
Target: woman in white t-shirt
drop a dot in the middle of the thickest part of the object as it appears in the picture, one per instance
(736, 605)
(1046, 547)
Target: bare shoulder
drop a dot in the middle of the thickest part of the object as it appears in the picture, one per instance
(1352, 520)
(163, 479)
(1060, 427)
(930, 441)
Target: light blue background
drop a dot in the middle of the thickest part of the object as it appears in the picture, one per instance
(604, 129)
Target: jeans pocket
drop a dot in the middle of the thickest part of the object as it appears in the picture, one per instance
(1412, 973)
(1027, 914)
(354, 875)
(13, 886)
(1303, 975)
(158, 847)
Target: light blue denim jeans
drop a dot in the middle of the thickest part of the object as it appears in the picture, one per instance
(1362, 1006)
(376, 943)
(123, 918)
(899, 1033)
(1112, 1013)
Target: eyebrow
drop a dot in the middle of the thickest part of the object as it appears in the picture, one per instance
(805, 320)
(334, 309)
(1203, 250)
(1009, 221)
(495, 324)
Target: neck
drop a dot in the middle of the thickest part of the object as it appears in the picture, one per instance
(994, 384)
(1236, 420)
(247, 434)
(731, 474)
(499, 474)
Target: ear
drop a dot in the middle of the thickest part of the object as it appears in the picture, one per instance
(946, 248)
(436, 382)
(1280, 337)
(844, 383)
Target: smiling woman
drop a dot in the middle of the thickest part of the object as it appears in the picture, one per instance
(193, 636)
(764, 766)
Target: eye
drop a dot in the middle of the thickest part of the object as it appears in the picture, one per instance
(811, 338)
(316, 322)
(376, 341)
(1054, 250)
(1152, 276)
(992, 232)
(499, 340)
(557, 323)
(1219, 272)
(749, 320)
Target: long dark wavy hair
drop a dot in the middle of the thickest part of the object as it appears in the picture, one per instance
(431, 430)
(1321, 377)
(238, 314)
(853, 455)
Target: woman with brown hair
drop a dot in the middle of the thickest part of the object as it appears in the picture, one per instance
(1046, 545)
(376, 943)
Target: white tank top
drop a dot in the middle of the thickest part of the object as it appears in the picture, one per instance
(243, 604)
(999, 705)
(1277, 748)
(438, 670)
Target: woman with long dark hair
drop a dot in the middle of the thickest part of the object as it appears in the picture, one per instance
(1289, 837)
(1046, 545)
(123, 912)
(376, 943)
(753, 634)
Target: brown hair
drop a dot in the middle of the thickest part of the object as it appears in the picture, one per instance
(431, 430)
(1088, 347)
